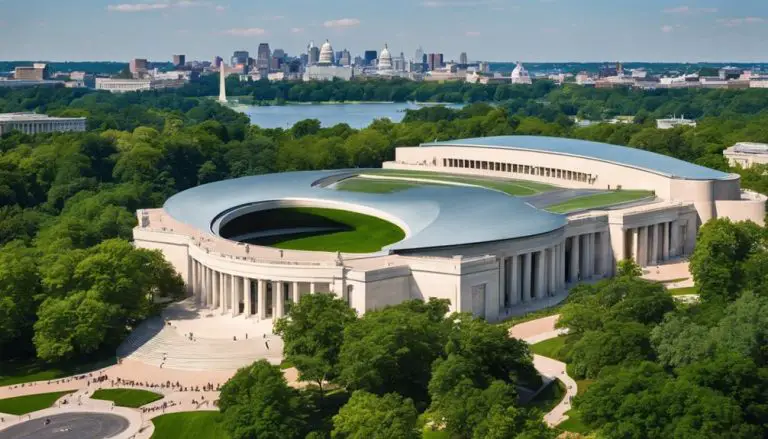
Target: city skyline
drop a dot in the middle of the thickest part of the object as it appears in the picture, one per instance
(493, 30)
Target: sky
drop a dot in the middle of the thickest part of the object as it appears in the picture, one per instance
(491, 30)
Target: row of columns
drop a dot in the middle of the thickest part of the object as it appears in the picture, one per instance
(532, 275)
(590, 255)
(655, 243)
(226, 292)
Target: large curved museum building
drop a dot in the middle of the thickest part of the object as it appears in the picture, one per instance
(485, 251)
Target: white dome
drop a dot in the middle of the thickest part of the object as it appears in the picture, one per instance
(520, 75)
(326, 53)
(385, 59)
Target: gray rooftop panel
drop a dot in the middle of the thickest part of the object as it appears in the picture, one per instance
(436, 216)
(621, 155)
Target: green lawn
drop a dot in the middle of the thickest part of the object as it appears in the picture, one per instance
(598, 200)
(435, 434)
(683, 291)
(17, 373)
(133, 398)
(375, 186)
(30, 403)
(355, 232)
(511, 187)
(574, 423)
(548, 398)
(551, 348)
(189, 425)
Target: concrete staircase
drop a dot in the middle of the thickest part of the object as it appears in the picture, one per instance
(155, 343)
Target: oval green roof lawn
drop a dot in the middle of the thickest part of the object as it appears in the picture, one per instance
(350, 232)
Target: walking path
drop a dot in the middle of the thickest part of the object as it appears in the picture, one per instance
(533, 332)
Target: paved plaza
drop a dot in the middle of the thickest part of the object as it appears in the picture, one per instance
(69, 426)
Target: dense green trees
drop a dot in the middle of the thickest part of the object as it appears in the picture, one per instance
(368, 416)
(405, 366)
(685, 371)
(258, 403)
(313, 334)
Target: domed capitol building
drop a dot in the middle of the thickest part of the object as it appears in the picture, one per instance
(494, 225)
(325, 70)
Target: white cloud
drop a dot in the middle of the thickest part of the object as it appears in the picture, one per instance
(142, 7)
(734, 22)
(342, 22)
(457, 3)
(667, 28)
(220, 8)
(297, 30)
(685, 9)
(137, 7)
(245, 32)
(472, 33)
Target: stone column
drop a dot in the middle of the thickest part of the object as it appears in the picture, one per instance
(311, 288)
(262, 299)
(553, 258)
(674, 249)
(206, 286)
(279, 297)
(642, 248)
(514, 289)
(607, 260)
(574, 259)
(527, 277)
(589, 256)
(664, 241)
(655, 240)
(193, 281)
(247, 296)
(541, 279)
(217, 290)
(561, 274)
(296, 295)
(235, 295)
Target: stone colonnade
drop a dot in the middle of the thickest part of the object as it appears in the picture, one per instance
(538, 274)
(655, 243)
(238, 295)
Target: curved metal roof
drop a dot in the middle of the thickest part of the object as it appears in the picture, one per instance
(435, 216)
(620, 155)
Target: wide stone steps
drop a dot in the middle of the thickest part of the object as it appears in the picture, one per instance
(154, 343)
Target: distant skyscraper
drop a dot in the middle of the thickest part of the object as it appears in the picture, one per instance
(240, 57)
(435, 61)
(370, 56)
(262, 57)
(179, 60)
(419, 55)
(279, 54)
(138, 65)
(217, 61)
(463, 58)
(313, 54)
(346, 58)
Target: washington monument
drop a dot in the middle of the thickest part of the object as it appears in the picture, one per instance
(222, 84)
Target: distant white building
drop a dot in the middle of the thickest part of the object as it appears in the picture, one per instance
(32, 123)
(747, 154)
(118, 85)
(674, 122)
(324, 70)
(520, 75)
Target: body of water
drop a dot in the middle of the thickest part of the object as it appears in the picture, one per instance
(355, 115)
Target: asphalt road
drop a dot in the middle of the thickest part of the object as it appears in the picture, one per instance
(69, 426)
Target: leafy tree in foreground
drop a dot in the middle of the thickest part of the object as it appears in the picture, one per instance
(377, 417)
(616, 344)
(19, 290)
(717, 263)
(392, 350)
(258, 403)
(628, 268)
(312, 334)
